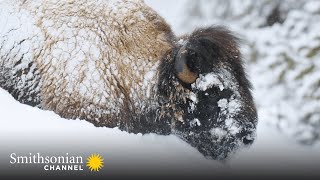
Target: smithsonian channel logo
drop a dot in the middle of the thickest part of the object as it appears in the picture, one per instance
(94, 162)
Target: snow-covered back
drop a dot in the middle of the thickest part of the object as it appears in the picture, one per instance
(83, 53)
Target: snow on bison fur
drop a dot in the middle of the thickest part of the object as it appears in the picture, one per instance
(116, 63)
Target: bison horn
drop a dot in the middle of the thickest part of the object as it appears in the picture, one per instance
(183, 71)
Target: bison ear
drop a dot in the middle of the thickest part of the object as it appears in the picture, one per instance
(182, 68)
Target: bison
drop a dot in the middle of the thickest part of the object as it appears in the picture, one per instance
(117, 63)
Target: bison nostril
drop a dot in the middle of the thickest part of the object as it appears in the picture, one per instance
(247, 141)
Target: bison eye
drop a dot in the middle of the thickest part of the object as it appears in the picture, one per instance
(182, 66)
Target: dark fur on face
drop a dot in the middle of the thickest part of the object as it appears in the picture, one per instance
(216, 119)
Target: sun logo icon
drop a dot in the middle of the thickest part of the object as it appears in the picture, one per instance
(95, 162)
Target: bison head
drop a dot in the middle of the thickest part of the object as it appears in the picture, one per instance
(207, 93)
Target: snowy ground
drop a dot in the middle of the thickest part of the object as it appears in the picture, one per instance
(24, 129)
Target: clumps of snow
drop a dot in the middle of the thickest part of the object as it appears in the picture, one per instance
(194, 100)
(193, 97)
(232, 126)
(192, 107)
(205, 82)
(195, 122)
(150, 80)
(148, 76)
(219, 133)
(221, 78)
(181, 41)
(229, 108)
(234, 106)
(223, 103)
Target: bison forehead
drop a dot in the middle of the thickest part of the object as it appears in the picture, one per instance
(96, 57)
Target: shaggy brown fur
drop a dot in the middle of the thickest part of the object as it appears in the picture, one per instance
(116, 63)
(93, 57)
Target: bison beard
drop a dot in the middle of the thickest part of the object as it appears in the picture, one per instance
(143, 79)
